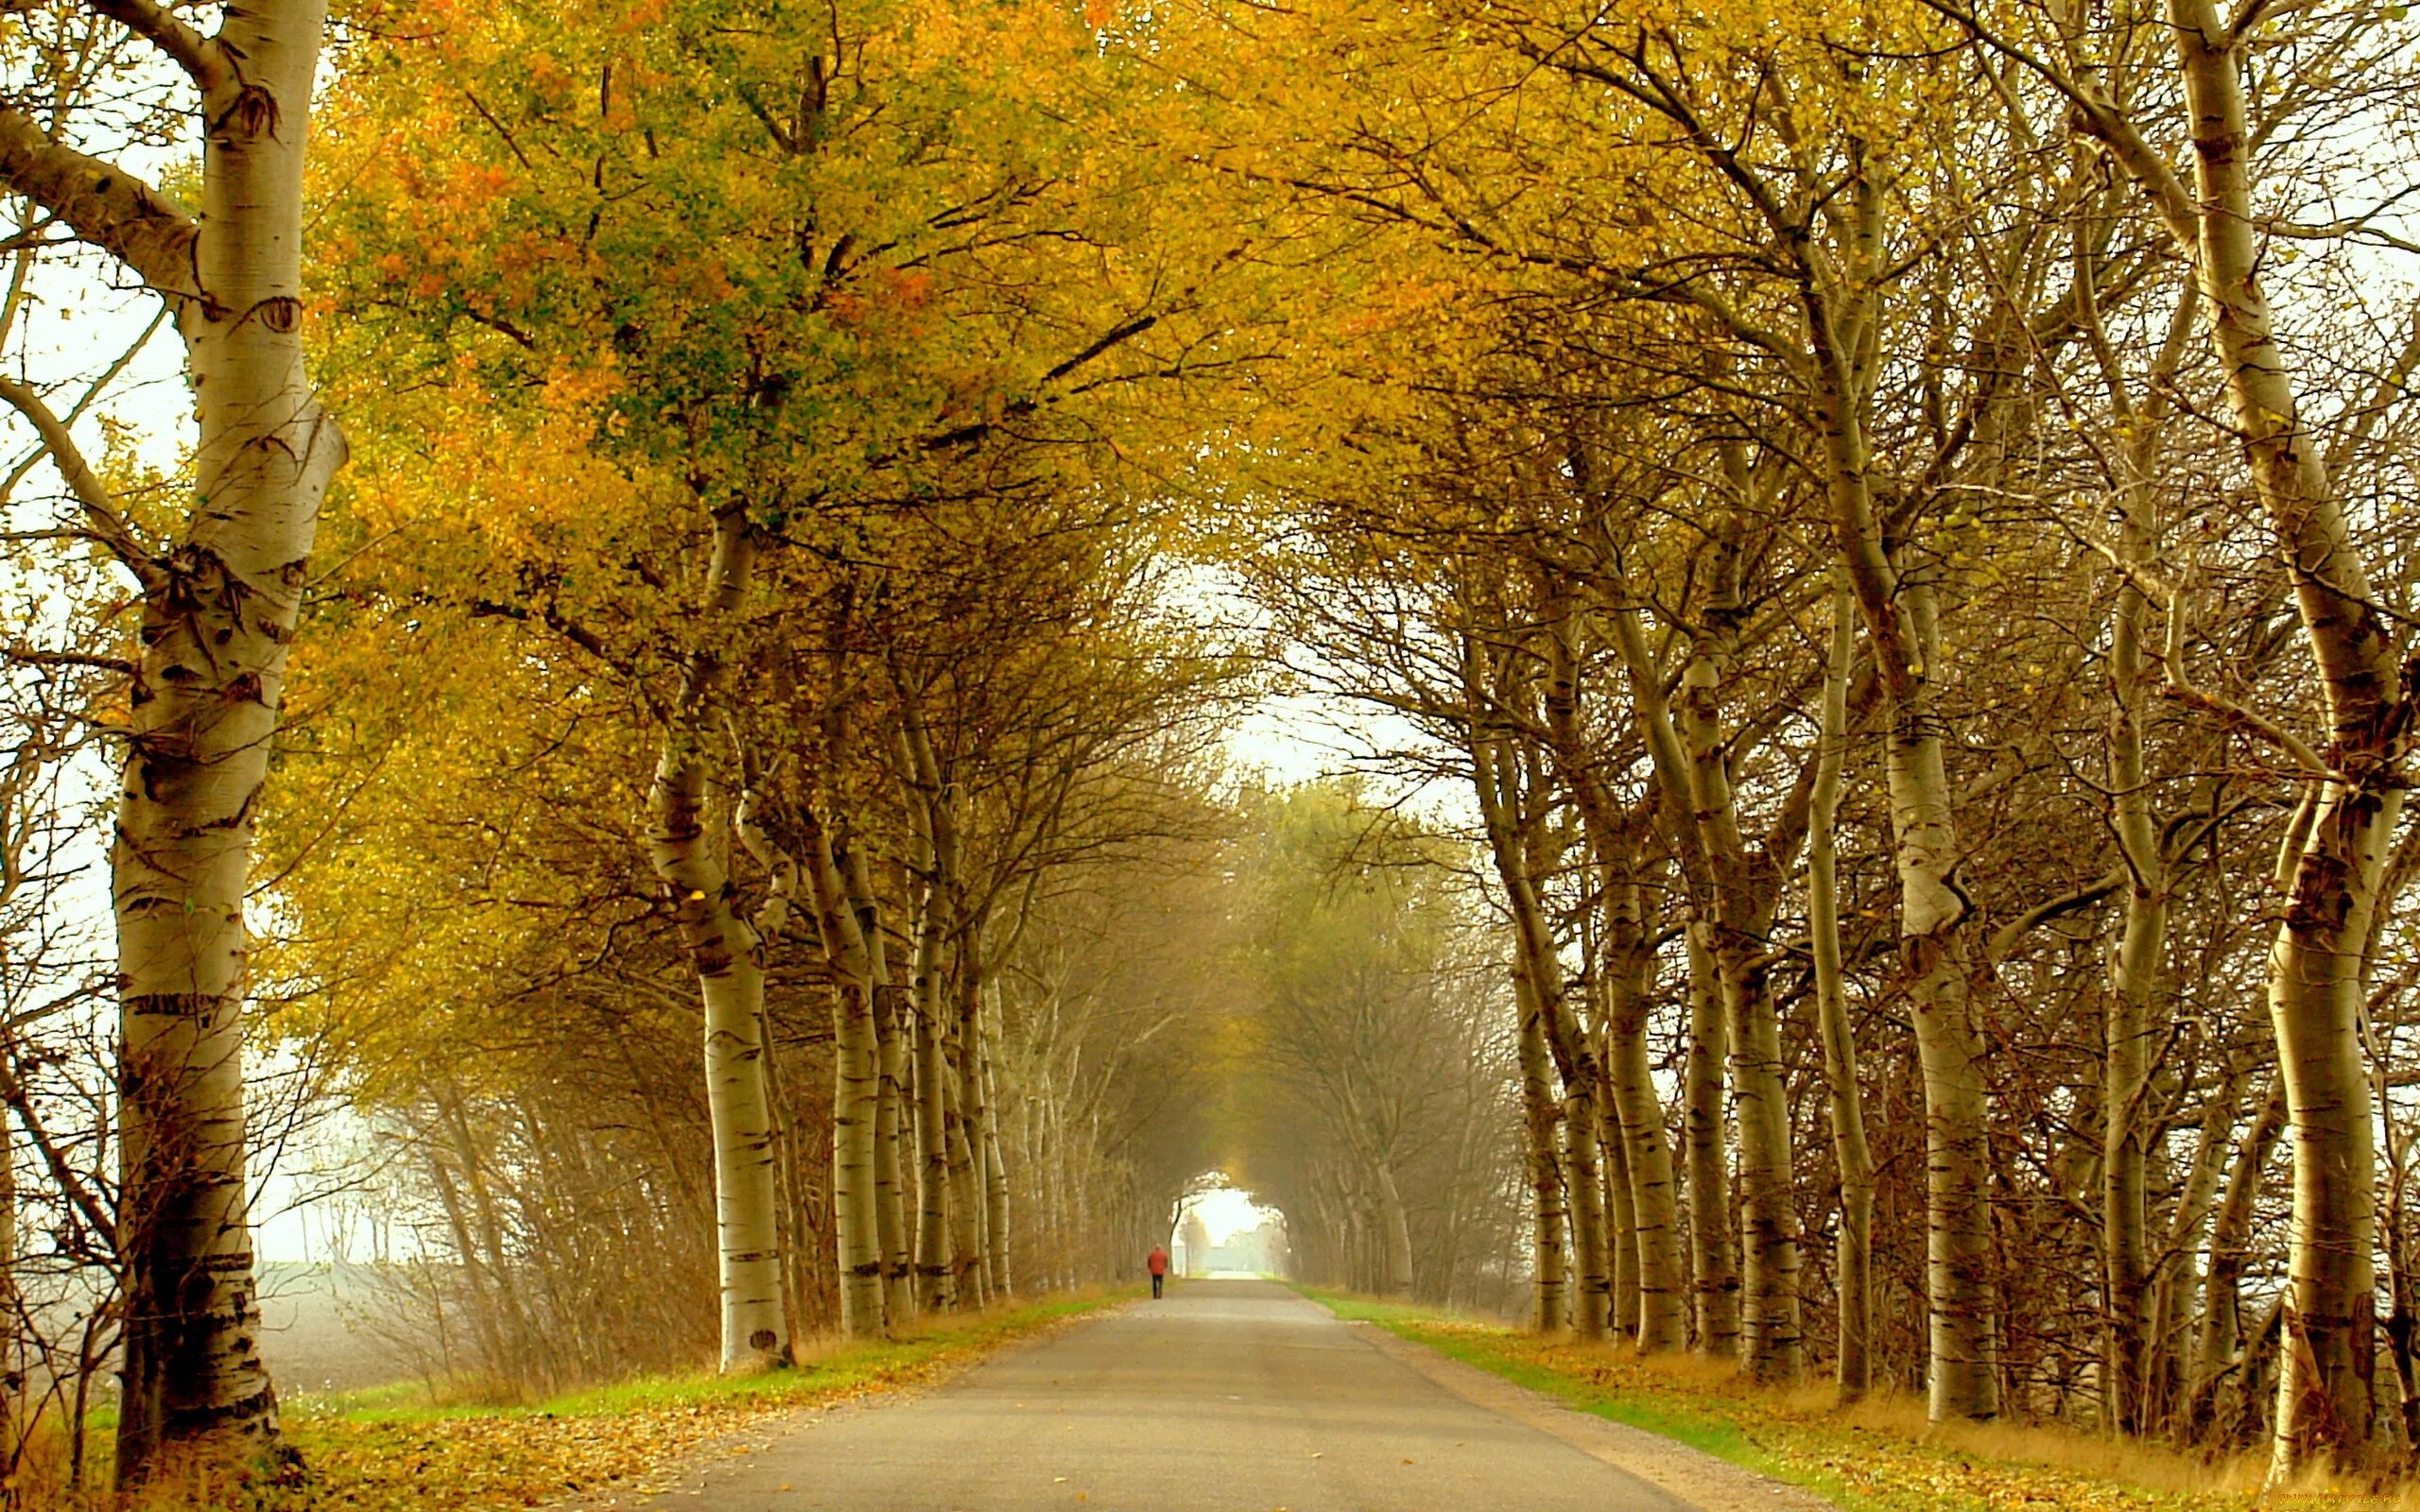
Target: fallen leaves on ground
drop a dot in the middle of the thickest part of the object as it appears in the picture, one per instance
(1878, 1457)
(408, 1461)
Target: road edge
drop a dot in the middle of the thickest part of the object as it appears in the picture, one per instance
(687, 1472)
(1695, 1476)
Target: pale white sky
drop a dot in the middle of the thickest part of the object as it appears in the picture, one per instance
(1227, 1213)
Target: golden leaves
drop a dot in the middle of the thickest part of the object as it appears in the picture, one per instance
(404, 1459)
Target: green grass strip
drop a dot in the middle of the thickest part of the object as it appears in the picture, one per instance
(1879, 1457)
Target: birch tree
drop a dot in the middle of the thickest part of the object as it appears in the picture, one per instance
(222, 601)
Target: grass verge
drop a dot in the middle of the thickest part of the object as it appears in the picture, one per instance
(393, 1450)
(1878, 1456)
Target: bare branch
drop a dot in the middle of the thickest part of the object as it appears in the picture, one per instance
(103, 204)
(101, 510)
(203, 60)
(31, 656)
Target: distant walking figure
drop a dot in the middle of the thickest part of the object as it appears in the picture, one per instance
(1158, 1266)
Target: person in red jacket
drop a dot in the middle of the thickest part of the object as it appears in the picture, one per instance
(1158, 1266)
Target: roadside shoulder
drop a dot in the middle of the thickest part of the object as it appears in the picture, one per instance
(1693, 1475)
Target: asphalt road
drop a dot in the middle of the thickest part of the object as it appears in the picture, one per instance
(1228, 1397)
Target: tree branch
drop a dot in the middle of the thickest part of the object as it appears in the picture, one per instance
(2004, 939)
(203, 60)
(104, 205)
(101, 510)
(35, 657)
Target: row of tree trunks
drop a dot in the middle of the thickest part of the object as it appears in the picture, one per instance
(1537, 990)
(1650, 1289)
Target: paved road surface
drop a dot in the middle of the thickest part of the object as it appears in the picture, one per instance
(1228, 1397)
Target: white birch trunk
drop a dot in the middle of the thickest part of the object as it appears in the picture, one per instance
(2325, 1404)
(1714, 1267)
(996, 1168)
(1853, 1252)
(856, 1093)
(219, 610)
(726, 953)
(1647, 1210)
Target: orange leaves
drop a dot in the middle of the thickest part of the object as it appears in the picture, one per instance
(893, 301)
(549, 78)
(642, 18)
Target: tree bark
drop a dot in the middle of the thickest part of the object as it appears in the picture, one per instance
(2221, 1330)
(1660, 1321)
(1714, 1267)
(1394, 1235)
(966, 1175)
(1547, 1302)
(996, 1185)
(893, 1130)
(856, 1090)
(1740, 887)
(1852, 1251)
(1901, 616)
(1621, 1212)
(2325, 1403)
(2329, 1346)
(932, 822)
(219, 614)
(727, 954)
(1962, 1295)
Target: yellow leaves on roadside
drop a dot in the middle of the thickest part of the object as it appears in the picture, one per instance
(1879, 1456)
(619, 1439)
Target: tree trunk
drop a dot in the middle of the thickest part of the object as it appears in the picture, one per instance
(996, 1185)
(856, 1089)
(2325, 1403)
(1545, 1175)
(1901, 624)
(1621, 1214)
(1853, 1252)
(1592, 1306)
(1963, 1295)
(965, 1179)
(1539, 979)
(1498, 789)
(218, 616)
(15, 1395)
(1773, 1343)
(2221, 1331)
(936, 1283)
(893, 1130)
(1660, 1320)
(1738, 888)
(2328, 1345)
(2173, 1284)
(1714, 1270)
(726, 952)
(1395, 1235)
(2127, 1028)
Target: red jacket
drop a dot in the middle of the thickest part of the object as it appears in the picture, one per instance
(1159, 1261)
